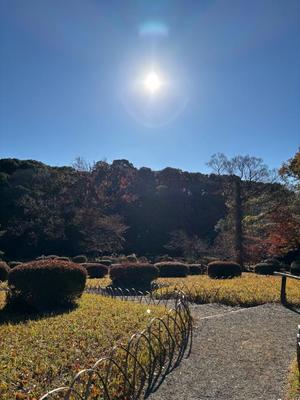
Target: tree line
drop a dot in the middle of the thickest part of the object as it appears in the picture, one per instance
(242, 210)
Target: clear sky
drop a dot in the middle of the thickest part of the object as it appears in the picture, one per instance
(72, 80)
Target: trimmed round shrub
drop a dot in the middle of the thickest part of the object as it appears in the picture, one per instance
(81, 259)
(284, 268)
(46, 284)
(4, 270)
(207, 259)
(197, 269)
(143, 259)
(121, 260)
(264, 268)
(163, 258)
(63, 258)
(105, 262)
(274, 262)
(13, 264)
(132, 258)
(172, 269)
(95, 270)
(295, 267)
(224, 269)
(51, 256)
(133, 275)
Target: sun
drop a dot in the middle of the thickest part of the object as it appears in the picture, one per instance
(152, 82)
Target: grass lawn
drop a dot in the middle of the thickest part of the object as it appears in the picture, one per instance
(40, 354)
(98, 282)
(294, 382)
(2, 300)
(248, 290)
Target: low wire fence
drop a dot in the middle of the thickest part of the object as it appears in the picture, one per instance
(159, 295)
(247, 293)
(166, 293)
(137, 369)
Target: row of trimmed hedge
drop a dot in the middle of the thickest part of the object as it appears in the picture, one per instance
(269, 266)
(77, 259)
(48, 283)
(171, 269)
(165, 269)
(141, 275)
(105, 260)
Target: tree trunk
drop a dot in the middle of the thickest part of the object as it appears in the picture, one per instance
(238, 217)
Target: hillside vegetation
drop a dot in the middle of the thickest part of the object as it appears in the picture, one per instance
(238, 212)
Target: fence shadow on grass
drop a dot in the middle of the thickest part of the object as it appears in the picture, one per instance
(137, 369)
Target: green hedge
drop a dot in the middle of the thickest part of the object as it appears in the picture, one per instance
(224, 269)
(80, 259)
(264, 268)
(197, 269)
(46, 284)
(13, 264)
(132, 258)
(277, 265)
(95, 270)
(63, 258)
(105, 262)
(172, 269)
(295, 267)
(133, 275)
(4, 270)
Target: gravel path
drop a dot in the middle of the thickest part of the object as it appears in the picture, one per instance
(238, 354)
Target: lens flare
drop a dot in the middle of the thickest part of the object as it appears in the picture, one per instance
(152, 82)
(152, 93)
(154, 28)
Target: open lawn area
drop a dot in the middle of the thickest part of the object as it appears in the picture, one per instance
(248, 290)
(40, 354)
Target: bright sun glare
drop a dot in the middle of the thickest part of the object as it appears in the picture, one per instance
(152, 82)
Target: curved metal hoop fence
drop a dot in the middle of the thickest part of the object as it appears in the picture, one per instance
(135, 370)
(298, 348)
(158, 296)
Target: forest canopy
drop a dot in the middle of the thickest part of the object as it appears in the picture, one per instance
(112, 208)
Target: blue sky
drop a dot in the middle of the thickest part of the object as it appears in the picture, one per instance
(68, 69)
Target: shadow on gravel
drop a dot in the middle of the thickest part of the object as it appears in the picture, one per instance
(292, 308)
